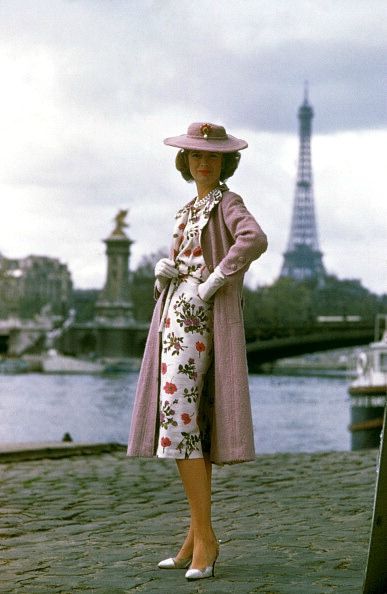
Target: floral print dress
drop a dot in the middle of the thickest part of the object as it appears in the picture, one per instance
(186, 337)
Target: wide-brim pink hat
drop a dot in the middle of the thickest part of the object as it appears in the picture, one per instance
(207, 137)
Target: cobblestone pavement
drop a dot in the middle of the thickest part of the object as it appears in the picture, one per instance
(289, 524)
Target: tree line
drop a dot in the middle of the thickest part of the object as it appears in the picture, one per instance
(285, 308)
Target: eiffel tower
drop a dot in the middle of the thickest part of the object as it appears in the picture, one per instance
(303, 259)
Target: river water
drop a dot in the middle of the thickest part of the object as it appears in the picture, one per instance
(291, 413)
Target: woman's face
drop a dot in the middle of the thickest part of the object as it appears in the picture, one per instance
(205, 168)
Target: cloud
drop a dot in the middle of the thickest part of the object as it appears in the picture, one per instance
(245, 61)
(90, 89)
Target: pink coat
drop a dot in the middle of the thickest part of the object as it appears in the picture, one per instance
(231, 239)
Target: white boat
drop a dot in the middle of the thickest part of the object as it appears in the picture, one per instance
(53, 362)
(371, 365)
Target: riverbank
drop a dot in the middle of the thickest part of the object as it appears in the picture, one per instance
(56, 363)
(338, 363)
(99, 522)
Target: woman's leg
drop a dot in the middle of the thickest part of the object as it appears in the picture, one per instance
(196, 478)
(187, 548)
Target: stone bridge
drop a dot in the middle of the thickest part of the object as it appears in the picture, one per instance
(264, 351)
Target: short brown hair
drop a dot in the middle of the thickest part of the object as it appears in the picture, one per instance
(230, 163)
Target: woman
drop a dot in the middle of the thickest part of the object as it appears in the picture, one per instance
(192, 402)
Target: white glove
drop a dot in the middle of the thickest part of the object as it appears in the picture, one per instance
(207, 289)
(164, 269)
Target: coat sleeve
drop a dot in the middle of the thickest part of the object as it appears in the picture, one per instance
(249, 239)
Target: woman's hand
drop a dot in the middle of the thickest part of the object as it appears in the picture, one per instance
(207, 289)
(164, 269)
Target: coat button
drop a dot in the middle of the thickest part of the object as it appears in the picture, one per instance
(241, 259)
(234, 266)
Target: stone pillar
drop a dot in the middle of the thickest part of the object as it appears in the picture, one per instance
(114, 304)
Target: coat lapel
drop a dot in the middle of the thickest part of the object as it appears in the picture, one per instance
(214, 197)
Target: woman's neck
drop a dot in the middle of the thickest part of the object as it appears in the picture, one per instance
(203, 190)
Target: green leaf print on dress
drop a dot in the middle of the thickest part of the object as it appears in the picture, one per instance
(166, 415)
(191, 395)
(174, 343)
(192, 317)
(189, 443)
(189, 369)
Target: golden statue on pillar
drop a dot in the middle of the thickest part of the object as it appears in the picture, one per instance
(120, 222)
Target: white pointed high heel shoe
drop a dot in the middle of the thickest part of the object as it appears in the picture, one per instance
(199, 574)
(173, 563)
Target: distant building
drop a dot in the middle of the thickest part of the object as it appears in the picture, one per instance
(303, 258)
(28, 284)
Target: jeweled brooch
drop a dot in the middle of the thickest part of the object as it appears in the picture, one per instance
(205, 129)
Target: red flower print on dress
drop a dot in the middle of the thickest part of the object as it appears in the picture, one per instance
(164, 368)
(165, 442)
(185, 417)
(197, 251)
(182, 226)
(169, 388)
(200, 347)
(187, 252)
(167, 322)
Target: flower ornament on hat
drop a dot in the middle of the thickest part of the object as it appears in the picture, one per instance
(203, 136)
(205, 130)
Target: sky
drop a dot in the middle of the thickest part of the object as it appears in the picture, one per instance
(90, 88)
